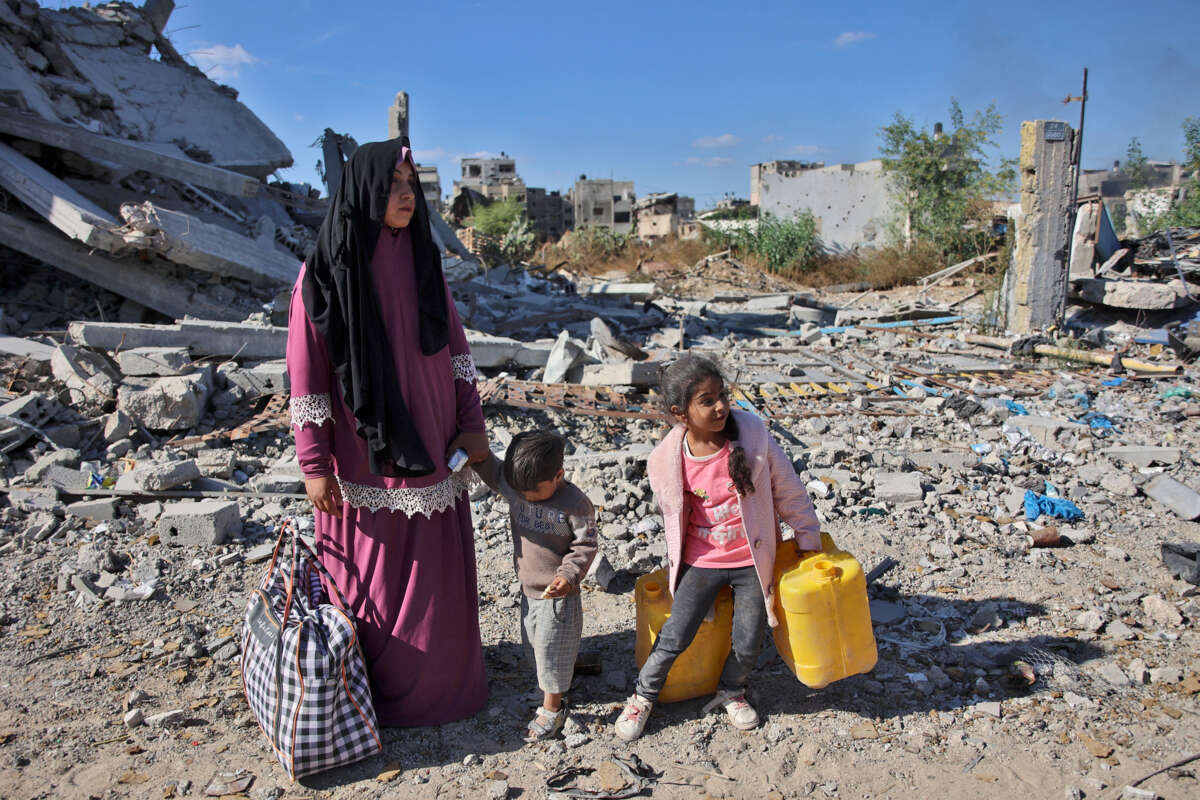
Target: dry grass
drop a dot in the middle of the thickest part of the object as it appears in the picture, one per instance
(591, 258)
(883, 267)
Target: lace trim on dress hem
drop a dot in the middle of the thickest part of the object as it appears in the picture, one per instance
(427, 500)
(463, 367)
(314, 408)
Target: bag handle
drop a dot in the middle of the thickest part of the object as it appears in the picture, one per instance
(297, 541)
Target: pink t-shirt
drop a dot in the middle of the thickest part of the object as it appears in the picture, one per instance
(715, 538)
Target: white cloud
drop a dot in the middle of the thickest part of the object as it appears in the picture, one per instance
(851, 37)
(221, 62)
(299, 117)
(724, 140)
(714, 161)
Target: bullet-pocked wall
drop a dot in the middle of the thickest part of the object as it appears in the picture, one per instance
(851, 202)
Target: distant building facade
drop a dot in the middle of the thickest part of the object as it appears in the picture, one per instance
(496, 180)
(431, 186)
(603, 204)
(659, 215)
(851, 203)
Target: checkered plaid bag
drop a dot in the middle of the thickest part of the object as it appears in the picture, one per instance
(302, 667)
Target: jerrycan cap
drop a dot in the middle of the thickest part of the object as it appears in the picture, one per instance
(826, 570)
(652, 587)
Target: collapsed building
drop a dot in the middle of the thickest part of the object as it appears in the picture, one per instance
(604, 204)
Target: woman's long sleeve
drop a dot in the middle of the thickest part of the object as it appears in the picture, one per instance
(469, 409)
(311, 383)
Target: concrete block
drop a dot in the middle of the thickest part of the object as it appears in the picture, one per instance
(267, 377)
(169, 404)
(160, 476)
(65, 477)
(638, 292)
(950, 459)
(117, 426)
(898, 487)
(86, 375)
(632, 373)
(202, 524)
(100, 510)
(157, 361)
(216, 463)
(34, 409)
(62, 458)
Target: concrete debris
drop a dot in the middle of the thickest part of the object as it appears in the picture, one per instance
(201, 524)
(165, 404)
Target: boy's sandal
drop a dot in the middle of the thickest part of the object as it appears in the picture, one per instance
(546, 724)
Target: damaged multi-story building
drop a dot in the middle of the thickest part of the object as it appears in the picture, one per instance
(603, 203)
(660, 215)
(496, 179)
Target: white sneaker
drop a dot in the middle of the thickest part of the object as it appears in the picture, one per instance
(741, 714)
(632, 721)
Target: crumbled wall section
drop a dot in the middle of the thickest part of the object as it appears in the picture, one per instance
(92, 67)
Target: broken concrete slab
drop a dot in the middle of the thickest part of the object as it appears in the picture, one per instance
(159, 158)
(26, 348)
(490, 352)
(949, 459)
(202, 337)
(16, 416)
(184, 239)
(1182, 499)
(55, 201)
(898, 487)
(130, 279)
(1144, 295)
(159, 476)
(154, 361)
(1143, 455)
(63, 457)
(637, 292)
(86, 375)
(167, 404)
(267, 377)
(564, 357)
(100, 510)
(631, 373)
(201, 524)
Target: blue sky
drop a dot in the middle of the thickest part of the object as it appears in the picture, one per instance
(686, 96)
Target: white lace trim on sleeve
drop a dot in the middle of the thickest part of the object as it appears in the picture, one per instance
(314, 408)
(427, 500)
(463, 367)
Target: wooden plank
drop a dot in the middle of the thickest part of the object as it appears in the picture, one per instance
(157, 158)
(61, 206)
(184, 239)
(126, 278)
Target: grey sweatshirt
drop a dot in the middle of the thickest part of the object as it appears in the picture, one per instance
(556, 537)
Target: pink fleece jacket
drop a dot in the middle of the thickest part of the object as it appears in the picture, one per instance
(778, 493)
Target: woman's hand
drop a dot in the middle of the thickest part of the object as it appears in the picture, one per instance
(324, 494)
(475, 444)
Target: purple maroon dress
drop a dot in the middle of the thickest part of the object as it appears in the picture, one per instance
(403, 551)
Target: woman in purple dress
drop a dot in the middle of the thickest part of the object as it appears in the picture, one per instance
(383, 391)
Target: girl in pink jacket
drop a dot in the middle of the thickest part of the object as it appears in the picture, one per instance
(722, 484)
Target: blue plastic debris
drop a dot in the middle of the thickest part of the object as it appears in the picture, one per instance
(1016, 408)
(1112, 382)
(981, 448)
(1082, 399)
(1036, 505)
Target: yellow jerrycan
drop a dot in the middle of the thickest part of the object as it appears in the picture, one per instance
(824, 631)
(697, 670)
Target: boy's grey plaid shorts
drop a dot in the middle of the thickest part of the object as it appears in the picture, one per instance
(553, 628)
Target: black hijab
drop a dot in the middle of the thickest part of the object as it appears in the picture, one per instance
(339, 296)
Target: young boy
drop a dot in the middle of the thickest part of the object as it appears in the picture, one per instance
(554, 542)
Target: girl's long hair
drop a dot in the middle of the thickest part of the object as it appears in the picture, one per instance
(677, 384)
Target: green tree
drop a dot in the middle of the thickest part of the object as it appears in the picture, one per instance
(1186, 211)
(1137, 168)
(498, 218)
(1191, 144)
(942, 183)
